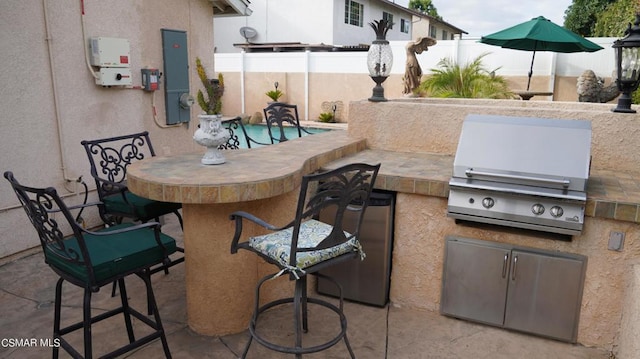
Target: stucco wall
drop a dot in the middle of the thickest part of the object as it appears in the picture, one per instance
(433, 125)
(35, 143)
(629, 343)
(421, 225)
(347, 87)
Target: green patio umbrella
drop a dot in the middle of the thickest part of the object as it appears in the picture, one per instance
(540, 34)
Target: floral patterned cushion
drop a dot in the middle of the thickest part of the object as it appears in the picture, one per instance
(277, 245)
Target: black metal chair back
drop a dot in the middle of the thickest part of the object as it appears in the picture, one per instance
(41, 206)
(346, 189)
(277, 116)
(92, 259)
(238, 135)
(109, 159)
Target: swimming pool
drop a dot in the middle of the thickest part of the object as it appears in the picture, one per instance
(260, 133)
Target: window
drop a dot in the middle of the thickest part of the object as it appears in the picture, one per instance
(445, 35)
(389, 17)
(404, 26)
(432, 31)
(452, 37)
(353, 13)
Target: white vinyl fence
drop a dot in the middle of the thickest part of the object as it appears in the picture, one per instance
(508, 62)
(505, 62)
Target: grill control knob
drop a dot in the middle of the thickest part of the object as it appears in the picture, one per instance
(537, 209)
(556, 211)
(488, 202)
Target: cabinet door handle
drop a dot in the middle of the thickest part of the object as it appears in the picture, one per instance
(504, 265)
(515, 266)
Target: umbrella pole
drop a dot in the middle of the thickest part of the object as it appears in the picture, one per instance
(531, 69)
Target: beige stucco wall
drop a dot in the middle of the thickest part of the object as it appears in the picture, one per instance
(421, 225)
(351, 87)
(433, 125)
(33, 140)
(322, 87)
(629, 343)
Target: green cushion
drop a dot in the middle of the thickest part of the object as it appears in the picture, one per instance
(114, 254)
(144, 208)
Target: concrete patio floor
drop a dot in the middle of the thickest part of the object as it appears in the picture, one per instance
(27, 289)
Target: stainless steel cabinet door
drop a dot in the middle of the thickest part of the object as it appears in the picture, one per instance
(544, 296)
(474, 283)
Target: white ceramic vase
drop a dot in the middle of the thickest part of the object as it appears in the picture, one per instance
(211, 134)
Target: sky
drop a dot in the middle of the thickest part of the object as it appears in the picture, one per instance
(480, 18)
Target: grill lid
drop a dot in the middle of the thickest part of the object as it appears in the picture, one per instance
(549, 153)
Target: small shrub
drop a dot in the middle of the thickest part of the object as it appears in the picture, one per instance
(274, 94)
(326, 117)
(469, 81)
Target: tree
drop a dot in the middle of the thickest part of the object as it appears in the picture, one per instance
(469, 81)
(615, 19)
(425, 7)
(581, 16)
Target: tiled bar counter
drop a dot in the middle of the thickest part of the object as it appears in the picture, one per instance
(262, 181)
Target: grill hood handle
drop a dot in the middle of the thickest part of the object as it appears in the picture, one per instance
(564, 182)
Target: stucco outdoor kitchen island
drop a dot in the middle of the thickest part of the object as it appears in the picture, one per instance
(263, 181)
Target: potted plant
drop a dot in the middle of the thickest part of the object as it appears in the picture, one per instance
(274, 94)
(210, 133)
(212, 104)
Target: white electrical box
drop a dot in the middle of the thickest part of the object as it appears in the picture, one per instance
(109, 52)
(114, 76)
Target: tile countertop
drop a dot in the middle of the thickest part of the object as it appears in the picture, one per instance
(273, 170)
(247, 174)
(610, 194)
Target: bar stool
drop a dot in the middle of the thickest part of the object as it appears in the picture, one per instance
(306, 245)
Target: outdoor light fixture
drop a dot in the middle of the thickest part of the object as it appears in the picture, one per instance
(627, 52)
(379, 58)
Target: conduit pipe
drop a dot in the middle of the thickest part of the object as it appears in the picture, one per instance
(56, 102)
(84, 41)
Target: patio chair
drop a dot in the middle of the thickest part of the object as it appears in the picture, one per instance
(92, 259)
(109, 159)
(279, 114)
(306, 245)
(237, 132)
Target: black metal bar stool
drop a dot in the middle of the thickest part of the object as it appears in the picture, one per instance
(306, 245)
(93, 259)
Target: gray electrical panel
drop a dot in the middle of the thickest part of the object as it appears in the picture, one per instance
(176, 76)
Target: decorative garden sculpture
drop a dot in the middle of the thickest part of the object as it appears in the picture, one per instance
(413, 72)
(591, 88)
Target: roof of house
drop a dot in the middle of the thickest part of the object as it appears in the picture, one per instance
(231, 7)
(296, 46)
(456, 29)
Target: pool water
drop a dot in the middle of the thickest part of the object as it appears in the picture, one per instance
(260, 133)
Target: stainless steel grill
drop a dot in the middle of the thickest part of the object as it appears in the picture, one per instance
(522, 172)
